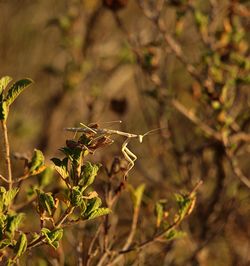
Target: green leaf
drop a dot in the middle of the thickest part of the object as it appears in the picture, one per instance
(21, 245)
(2, 225)
(76, 198)
(92, 205)
(159, 210)
(98, 212)
(173, 234)
(16, 89)
(61, 167)
(83, 208)
(45, 178)
(53, 237)
(37, 162)
(13, 222)
(185, 204)
(2, 191)
(2, 198)
(4, 81)
(46, 202)
(136, 194)
(88, 174)
(74, 154)
(10, 195)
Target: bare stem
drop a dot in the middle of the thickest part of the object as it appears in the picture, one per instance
(7, 152)
(64, 216)
(192, 117)
(236, 169)
(130, 237)
(91, 246)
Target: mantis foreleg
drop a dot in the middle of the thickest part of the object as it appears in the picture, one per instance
(129, 155)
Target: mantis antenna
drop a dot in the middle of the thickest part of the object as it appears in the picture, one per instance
(110, 122)
(140, 137)
(153, 130)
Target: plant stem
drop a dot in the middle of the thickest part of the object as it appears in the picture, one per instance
(91, 246)
(64, 216)
(7, 152)
(130, 237)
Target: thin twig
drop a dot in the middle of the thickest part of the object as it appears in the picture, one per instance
(130, 236)
(236, 169)
(91, 246)
(64, 217)
(103, 258)
(152, 240)
(241, 136)
(192, 117)
(7, 152)
(4, 179)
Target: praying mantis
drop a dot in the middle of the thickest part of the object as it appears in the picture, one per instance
(127, 153)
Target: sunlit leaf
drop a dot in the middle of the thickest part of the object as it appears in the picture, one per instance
(159, 211)
(53, 237)
(4, 81)
(173, 234)
(88, 174)
(61, 166)
(2, 225)
(46, 202)
(93, 204)
(10, 195)
(45, 178)
(2, 198)
(76, 198)
(136, 194)
(37, 162)
(13, 222)
(98, 212)
(185, 203)
(21, 245)
(16, 89)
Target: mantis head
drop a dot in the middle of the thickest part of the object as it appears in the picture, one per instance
(140, 138)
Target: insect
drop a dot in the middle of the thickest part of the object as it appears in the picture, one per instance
(100, 132)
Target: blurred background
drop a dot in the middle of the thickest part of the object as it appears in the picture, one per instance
(178, 65)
